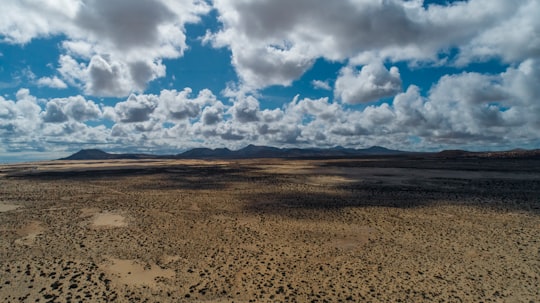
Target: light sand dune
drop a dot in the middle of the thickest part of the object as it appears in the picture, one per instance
(130, 272)
(29, 233)
(8, 207)
(109, 220)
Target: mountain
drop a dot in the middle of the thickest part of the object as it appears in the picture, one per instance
(97, 154)
(255, 151)
(248, 152)
(197, 153)
(90, 154)
(379, 150)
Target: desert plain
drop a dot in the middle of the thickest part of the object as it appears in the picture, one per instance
(271, 230)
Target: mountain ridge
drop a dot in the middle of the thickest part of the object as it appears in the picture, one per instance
(260, 151)
(248, 152)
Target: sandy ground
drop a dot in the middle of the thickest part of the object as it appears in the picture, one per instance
(390, 230)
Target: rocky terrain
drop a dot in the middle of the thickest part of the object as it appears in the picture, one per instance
(269, 230)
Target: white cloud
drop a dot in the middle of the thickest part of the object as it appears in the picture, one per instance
(465, 110)
(124, 24)
(273, 42)
(512, 38)
(212, 115)
(73, 72)
(521, 84)
(318, 84)
(20, 117)
(26, 126)
(112, 49)
(78, 48)
(147, 113)
(174, 105)
(371, 83)
(54, 113)
(82, 110)
(469, 88)
(53, 82)
(276, 41)
(319, 108)
(105, 76)
(21, 21)
(473, 109)
(246, 109)
(137, 108)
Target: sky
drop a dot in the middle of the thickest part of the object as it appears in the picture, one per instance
(165, 76)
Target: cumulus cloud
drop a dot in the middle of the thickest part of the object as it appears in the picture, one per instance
(31, 124)
(125, 24)
(106, 76)
(111, 49)
(522, 83)
(73, 72)
(74, 109)
(54, 113)
(19, 117)
(176, 105)
(148, 114)
(275, 42)
(371, 83)
(471, 107)
(212, 115)
(21, 21)
(513, 38)
(272, 42)
(137, 108)
(318, 84)
(52, 82)
(469, 88)
(321, 108)
(246, 109)
(466, 109)
(116, 49)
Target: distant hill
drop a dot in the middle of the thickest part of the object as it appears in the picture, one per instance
(97, 154)
(197, 153)
(254, 152)
(90, 154)
(248, 152)
(510, 154)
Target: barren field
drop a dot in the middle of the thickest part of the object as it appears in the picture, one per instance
(372, 230)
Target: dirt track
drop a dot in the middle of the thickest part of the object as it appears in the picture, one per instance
(385, 230)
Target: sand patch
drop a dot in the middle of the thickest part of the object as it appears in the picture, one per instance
(328, 180)
(131, 272)
(358, 237)
(89, 212)
(5, 207)
(194, 207)
(167, 259)
(29, 233)
(349, 243)
(109, 220)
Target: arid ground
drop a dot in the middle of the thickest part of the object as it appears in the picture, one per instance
(364, 230)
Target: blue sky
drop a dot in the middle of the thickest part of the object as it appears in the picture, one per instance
(164, 76)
